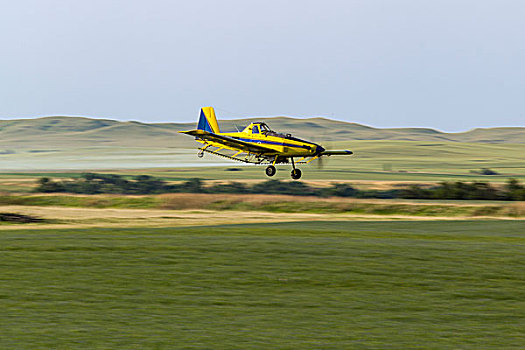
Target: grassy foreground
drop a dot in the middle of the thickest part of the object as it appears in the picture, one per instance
(328, 285)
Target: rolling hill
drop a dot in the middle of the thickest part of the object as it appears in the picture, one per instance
(52, 143)
(65, 132)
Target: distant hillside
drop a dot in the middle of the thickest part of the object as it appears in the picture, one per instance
(61, 132)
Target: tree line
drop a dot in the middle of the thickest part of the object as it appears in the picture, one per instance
(91, 183)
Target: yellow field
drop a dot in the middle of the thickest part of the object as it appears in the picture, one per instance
(182, 209)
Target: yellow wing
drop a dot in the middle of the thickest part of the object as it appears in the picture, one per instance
(230, 142)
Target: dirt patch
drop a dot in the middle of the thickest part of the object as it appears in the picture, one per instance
(63, 217)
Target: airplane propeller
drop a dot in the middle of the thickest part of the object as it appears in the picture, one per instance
(320, 162)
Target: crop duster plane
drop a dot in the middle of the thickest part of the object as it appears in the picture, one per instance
(257, 144)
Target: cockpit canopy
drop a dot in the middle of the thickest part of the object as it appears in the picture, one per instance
(263, 128)
(260, 128)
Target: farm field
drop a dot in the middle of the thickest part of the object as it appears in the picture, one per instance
(183, 209)
(375, 160)
(307, 285)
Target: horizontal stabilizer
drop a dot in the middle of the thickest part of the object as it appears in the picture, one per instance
(195, 132)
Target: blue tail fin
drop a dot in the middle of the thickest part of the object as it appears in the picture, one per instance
(208, 121)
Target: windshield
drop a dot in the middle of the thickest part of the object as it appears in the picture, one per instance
(264, 127)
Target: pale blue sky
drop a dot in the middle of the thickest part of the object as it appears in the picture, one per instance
(448, 64)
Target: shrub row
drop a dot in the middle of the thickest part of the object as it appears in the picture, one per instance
(90, 183)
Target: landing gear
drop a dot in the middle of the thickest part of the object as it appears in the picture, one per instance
(270, 170)
(296, 173)
(200, 154)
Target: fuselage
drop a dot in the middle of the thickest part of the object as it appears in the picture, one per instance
(284, 145)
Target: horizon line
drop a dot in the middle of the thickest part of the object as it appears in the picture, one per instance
(261, 117)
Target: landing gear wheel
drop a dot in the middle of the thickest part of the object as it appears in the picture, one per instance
(296, 174)
(200, 154)
(270, 170)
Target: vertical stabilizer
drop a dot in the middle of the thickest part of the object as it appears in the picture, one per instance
(208, 121)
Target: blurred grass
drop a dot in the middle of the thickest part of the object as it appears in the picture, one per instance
(329, 285)
(275, 203)
(88, 201)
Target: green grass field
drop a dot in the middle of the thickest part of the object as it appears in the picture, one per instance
(323, 285)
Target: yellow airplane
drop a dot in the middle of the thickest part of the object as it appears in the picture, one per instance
(257, 144)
